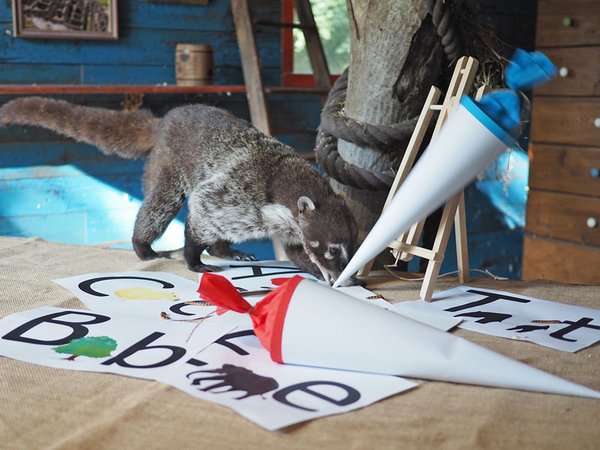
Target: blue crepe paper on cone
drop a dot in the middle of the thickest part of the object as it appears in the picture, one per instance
(525, 70)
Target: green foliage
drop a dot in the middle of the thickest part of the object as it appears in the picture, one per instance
(332, 20)
(92, 346)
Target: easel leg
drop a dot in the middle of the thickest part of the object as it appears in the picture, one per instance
(439, 247)
(460, 234)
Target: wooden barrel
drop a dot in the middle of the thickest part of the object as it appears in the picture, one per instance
(193, 64)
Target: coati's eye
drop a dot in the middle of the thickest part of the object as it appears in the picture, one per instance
(313, 244)
(336, 251)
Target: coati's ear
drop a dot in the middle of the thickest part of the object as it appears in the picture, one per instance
(305, 204)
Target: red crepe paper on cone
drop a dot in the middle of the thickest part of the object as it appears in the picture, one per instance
(267, 316)
(307, 323)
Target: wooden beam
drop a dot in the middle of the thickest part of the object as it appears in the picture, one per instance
(255, 91)
(27, 89)
(314, 46)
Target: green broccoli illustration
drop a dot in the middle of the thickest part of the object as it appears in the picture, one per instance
(92, 346)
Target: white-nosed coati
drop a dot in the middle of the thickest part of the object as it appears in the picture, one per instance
(240, 184)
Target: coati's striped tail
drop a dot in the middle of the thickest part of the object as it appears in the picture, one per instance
(129, 134)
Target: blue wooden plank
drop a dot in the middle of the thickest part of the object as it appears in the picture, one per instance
(109, 227)
(146, 74)
(39, 73)
(115, 227)
(299, 142)
(41, 195)
(103, 74)
(499, 252)
(49, 227)
(298, 111)
(24, 134)
(85, 158)
(139, 47)
(215, 16)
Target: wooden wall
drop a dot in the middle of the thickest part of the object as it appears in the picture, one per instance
(65, 191)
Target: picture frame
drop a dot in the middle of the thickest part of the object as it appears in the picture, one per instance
(65, 19)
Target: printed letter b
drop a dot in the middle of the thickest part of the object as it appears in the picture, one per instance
(120, 359)
(77, 328)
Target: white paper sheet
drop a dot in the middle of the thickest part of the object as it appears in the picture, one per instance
(77, 339)
(140, 295)
(563, 327)
(239, 374)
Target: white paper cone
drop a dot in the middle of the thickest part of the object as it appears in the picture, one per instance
(467, 143)
(326, 328)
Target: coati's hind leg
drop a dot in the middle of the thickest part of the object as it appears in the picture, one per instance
(161, 204)
(192, 251)
(222, 249)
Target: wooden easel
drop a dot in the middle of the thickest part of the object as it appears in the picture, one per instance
(405, 247)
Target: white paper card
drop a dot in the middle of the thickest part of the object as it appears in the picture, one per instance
(76, 339)
(563, 327)
(140, 295)
(238, 373)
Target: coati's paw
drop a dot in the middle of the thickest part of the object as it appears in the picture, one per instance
(221, 249)
(201, 267)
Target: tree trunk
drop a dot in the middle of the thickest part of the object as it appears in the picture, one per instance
(396, 56)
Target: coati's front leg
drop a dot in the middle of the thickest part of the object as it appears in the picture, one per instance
(192, 251)
(222, 249)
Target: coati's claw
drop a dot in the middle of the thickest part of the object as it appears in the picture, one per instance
(221, 249)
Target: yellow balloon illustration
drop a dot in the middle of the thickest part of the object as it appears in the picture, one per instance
(142, 293)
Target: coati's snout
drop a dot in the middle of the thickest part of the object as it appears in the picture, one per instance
(329, 235)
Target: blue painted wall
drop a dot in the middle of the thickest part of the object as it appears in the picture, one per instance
(70, 192)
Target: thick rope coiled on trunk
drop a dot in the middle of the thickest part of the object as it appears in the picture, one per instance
(385, 138)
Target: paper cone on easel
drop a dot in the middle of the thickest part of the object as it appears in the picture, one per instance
(466, 144)
(472, 136)
(306, 323)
